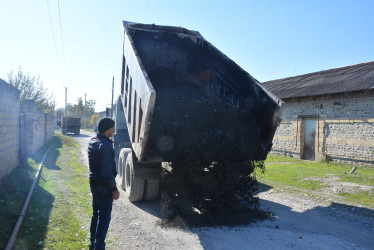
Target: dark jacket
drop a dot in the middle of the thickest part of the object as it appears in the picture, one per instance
(101, 160)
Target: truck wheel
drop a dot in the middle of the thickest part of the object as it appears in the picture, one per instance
(151, 189)
(63, 132)
(122, 165)
(134, 187)
(78, 132)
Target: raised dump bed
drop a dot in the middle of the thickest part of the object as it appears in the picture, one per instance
(185, 101)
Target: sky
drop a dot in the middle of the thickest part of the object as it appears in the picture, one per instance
(78, 43)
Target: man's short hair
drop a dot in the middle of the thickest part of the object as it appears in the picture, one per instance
(105, 124)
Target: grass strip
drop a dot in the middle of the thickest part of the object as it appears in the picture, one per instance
(309, 175)
(59, 211)
(13, 192)
(362, 197)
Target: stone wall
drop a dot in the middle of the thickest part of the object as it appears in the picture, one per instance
(9, 124)
(344, 127)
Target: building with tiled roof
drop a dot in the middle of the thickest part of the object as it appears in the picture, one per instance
(327, 114)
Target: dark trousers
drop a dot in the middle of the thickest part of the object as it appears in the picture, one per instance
(102, 201)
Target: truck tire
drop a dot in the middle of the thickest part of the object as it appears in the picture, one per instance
(78, 131)
(134, 187)
(63, 132)
(151, 189)
(122, 165)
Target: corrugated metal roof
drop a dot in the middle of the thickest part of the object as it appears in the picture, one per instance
(333, 81)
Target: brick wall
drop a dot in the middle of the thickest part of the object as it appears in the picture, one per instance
(344, 128)
(9, 124)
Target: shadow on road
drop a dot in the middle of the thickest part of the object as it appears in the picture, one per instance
(152, 207)
(193, 218)
(263, 187)
(336, 225)
(313, 229)
(53, 154)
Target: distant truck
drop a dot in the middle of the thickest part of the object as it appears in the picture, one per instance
(70, 124)
(183, 101)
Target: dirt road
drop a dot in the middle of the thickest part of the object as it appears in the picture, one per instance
(300, 222)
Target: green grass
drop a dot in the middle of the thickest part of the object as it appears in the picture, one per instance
(305, 174)
(60, 208)
(363, 176)
(362, 197)
(13, 192)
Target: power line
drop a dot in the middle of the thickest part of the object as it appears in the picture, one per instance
(248, 7)
(54, 39)
(249, 20)
(62, 37)
(263, 9)
(236, 12)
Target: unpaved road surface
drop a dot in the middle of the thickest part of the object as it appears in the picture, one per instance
(300, 222)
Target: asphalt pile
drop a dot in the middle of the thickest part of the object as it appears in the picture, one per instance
(218, 195)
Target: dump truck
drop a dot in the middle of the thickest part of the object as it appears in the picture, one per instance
(184, 102)
(70, 124)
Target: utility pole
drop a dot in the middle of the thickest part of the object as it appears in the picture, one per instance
(85, 112)
(66, 99)
(111, 112)
(66, 109)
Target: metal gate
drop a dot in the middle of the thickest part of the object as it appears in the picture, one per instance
(309, 139)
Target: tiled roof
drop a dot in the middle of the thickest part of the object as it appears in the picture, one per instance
(333, 81)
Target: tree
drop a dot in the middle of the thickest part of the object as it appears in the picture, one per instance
(94, 119)
(59, 114)
(77, 109)
(31, 88)
(83, 111)
(88, 112)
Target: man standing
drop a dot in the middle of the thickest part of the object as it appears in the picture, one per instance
(102, 181)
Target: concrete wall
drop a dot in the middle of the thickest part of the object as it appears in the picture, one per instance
(39, 126)
(50, 128)
(22, 130)
(344, 128)
(9, 124)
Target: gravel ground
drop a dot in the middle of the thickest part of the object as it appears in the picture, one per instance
(300, 222)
